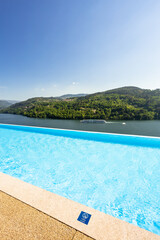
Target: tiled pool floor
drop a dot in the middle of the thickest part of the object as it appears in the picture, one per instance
(19, 221)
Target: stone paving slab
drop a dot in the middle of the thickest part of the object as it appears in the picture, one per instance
(81, 236)
(101, 226)
(19, 221)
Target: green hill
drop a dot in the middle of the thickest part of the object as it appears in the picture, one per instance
(126, 103)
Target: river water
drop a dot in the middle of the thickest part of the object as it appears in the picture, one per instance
(146, 128)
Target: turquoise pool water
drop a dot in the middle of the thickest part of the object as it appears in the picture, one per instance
(116, 174)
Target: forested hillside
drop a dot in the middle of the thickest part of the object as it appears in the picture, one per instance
(127, 103)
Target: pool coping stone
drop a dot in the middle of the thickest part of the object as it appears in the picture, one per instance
(101, 226)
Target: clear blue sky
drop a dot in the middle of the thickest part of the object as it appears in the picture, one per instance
(54, 47)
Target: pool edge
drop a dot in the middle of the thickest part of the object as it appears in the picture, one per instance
(69, 130)
(101, 226)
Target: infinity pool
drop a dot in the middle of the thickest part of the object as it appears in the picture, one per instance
(116, 174)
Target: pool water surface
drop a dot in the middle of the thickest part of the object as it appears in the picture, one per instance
(115, 174)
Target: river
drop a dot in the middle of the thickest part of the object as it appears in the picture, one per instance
(146, 128)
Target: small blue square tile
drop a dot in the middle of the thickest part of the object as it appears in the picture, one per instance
(84, 217)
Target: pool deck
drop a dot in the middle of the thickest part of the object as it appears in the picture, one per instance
(29, 212)
(21, 221)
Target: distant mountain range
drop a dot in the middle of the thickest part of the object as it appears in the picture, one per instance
(6, 103)
(126, 103)
(72, 95)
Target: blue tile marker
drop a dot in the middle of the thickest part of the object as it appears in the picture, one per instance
(84, 217)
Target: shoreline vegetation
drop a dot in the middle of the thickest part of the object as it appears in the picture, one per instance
(126, 103)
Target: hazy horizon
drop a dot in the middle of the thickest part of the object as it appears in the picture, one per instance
(73, 94)
(51, 48)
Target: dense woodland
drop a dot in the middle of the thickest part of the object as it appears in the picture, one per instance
(127, 103)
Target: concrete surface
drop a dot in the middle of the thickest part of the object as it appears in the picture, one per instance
(19, 221)
(100, 227)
